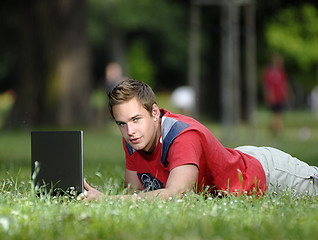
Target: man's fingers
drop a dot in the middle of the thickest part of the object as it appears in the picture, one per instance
(82, 196)
(86, 186)
(89, 193)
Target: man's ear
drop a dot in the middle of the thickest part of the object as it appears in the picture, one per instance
(155, 112)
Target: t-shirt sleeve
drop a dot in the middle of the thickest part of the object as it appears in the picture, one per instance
(130, 165)
(185, 149)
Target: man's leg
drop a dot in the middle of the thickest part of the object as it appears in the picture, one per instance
(277, 123)
(284, 171)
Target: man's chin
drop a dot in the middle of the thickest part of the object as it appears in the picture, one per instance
(137, 147)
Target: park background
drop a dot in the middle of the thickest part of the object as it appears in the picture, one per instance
(53, 56)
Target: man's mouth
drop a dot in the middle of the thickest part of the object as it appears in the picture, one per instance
(135, 140)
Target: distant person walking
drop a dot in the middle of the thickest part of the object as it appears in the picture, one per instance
(113, 75)
(276, 91)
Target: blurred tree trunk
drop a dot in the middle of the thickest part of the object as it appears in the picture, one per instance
(118, 47)
(194, 56)
(54, 71)
(230, 85)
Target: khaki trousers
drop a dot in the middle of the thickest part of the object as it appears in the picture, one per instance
(284, 171)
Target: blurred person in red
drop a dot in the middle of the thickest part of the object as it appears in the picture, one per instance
(276, 91)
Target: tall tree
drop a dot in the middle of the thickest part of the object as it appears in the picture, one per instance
(54, 71)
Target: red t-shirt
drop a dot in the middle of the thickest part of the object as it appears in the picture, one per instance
(220, 168)
(275, 83)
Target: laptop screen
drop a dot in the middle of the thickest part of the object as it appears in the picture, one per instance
(59, 156)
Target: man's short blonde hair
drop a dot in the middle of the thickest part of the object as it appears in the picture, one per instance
(128, 89)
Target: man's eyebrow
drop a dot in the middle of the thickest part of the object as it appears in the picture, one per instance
(136, 116)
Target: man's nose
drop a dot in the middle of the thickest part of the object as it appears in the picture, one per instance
(130, 129)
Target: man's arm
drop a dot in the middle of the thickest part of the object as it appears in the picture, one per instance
(132, 181)
(181, 179)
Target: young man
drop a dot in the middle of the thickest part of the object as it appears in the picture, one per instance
(169, 154)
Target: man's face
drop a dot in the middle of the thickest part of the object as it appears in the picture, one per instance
(137, 126)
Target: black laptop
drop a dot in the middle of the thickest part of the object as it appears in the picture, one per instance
(57, 161)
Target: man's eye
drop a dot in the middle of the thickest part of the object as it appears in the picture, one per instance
(136, 119)
(121, 124)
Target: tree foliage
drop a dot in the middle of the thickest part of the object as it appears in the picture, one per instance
(139, 65)
(294, 33)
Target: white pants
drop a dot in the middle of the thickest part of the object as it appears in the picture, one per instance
(284, 171)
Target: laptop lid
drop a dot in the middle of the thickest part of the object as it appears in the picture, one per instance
(59, 155)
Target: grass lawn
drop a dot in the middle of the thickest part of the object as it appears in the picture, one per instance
(25, 216)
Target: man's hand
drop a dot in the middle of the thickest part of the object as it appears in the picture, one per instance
(90, 193)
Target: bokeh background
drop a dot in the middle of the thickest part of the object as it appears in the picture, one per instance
(53, 56)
